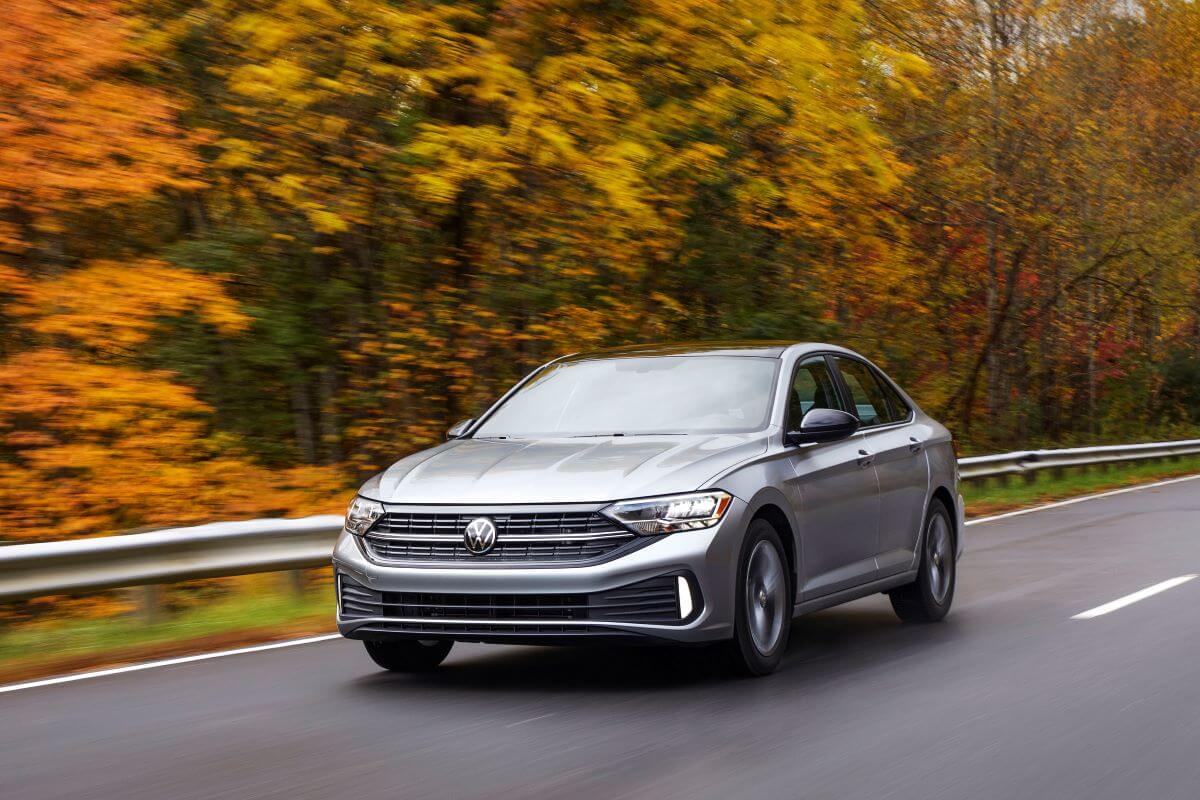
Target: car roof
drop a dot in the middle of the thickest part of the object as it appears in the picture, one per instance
(761, 349)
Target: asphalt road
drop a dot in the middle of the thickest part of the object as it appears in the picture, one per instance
(1009, 698)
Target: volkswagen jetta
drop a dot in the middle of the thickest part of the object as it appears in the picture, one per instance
(674, 493)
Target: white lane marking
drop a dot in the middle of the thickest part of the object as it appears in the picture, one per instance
(531, 719)
(275, 645)
(167, 662)
(1074, 500)
(1130, 599)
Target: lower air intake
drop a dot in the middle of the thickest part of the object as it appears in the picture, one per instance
(653, 601)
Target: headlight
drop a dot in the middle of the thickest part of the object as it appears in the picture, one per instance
(681, 512)
(362, 515)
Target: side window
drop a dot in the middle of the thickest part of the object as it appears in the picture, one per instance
(897, 403)
(870, 403)
(812, 387)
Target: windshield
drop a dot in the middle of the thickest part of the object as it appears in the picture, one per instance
(632, 396)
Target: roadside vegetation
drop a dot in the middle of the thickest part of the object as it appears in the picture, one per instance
(206, 616)
(993, 497)
(250, 255)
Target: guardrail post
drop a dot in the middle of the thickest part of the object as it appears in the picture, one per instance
(1030, 477)
(149, 600)
(294, 581)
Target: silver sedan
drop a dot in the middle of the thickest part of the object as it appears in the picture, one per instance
(672, 493)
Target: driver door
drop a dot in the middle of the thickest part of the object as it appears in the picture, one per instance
(834, 491)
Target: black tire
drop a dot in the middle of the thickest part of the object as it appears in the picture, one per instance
(417, 655)
(762, 547)
(928, 599)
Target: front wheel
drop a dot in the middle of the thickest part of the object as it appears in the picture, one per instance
(417, 655)
(928, 598)
(763, 599)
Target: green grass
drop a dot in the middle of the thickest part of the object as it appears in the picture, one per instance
(983, 497)
(61, 640)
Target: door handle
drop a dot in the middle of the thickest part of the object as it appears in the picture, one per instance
(913, 445)
(866, 459)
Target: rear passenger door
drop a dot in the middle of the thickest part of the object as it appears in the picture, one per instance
(900, 463)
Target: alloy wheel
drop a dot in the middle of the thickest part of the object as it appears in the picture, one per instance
(766, 597)
(938, 557)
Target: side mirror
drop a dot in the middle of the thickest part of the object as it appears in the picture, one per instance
(823, 425)
(458, 428)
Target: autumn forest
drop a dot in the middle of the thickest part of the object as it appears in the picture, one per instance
(253, 250)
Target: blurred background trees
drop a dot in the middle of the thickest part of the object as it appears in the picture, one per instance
(251, 250)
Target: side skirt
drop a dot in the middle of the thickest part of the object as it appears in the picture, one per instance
(854, 593)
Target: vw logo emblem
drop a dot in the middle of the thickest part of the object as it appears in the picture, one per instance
(480, 535)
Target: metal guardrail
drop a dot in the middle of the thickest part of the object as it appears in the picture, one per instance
(1027, 462)
(174, 554)
(270, 545)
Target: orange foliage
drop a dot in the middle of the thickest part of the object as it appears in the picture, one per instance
(96, 449)
(74, 131)
(114, 306)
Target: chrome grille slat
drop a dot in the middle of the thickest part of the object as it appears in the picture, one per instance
(541, 537)
(512, 537)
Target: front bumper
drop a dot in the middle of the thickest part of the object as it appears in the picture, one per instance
(703, 558)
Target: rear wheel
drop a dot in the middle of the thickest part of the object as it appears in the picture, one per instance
(928, 598)
(417, 655)
(763, 600)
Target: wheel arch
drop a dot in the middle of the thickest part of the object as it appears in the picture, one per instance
(942, 493)
(770, 505)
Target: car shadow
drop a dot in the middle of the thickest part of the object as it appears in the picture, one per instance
(829, 644)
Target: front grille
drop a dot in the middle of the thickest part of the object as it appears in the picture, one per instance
(521, 538)
(652, 601)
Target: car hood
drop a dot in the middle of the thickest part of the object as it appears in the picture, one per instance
(577, 470)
